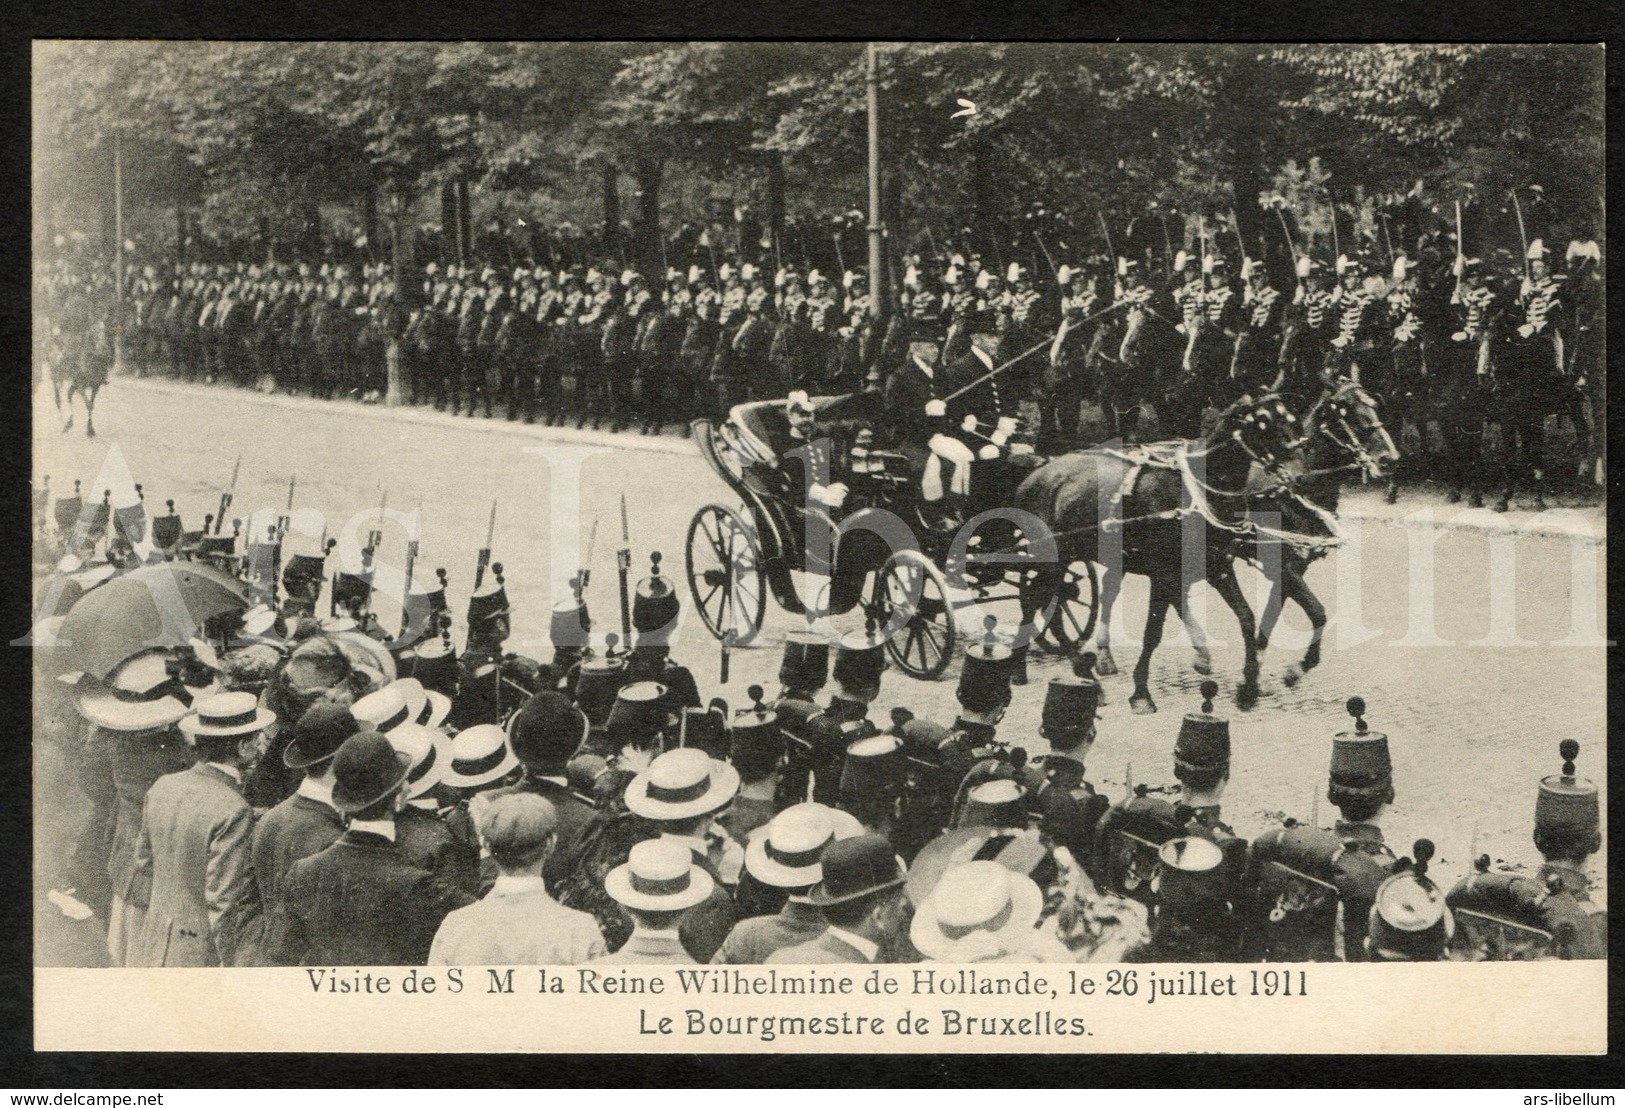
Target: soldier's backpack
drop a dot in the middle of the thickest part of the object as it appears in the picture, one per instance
(1126, 844)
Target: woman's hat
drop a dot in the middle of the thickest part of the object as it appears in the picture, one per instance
(226, 715)
(366, 769)
(142, 694)
(479, 755)
(977, 910)
(428, 751)
(396, 703)
(682, 784)
(319, 734)
(856, 867)
(659, 876)
(786, 852)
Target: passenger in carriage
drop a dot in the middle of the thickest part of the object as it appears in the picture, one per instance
(817, 464)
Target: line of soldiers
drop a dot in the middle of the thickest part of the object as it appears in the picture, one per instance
(296, 790)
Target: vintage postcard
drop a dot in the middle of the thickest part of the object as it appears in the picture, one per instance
(818, 547)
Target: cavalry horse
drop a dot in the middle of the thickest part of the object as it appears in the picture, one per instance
(79, 358)
(1143, 510)
(1144, 369)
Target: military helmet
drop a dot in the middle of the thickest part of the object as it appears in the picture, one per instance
(485, 606)
(352, 590)
(1070, 705)
(1000, 802)
(1204, 738)
(705, 728)
(166, 529)
(1410, 919)
(860, 659)
(639, 713)
(874, 770)
(569, 622)
(805, 666)
(655, 607)
(1360, 761)
(1190, 872)
(984, 681)
(1566, 802)
(597, 684)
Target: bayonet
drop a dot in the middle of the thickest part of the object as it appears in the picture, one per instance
(226, 497)
(623, 567)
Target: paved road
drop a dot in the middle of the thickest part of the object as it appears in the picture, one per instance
(1473, 717)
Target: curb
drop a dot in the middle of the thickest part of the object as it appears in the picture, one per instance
(1587, 525)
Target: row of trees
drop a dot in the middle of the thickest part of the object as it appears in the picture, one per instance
(259, 139)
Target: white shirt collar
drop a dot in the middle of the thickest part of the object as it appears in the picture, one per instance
(513, 884)
(312, 789)
(694, 843)
(865, 947)
(424, 804)
(665, 934)
(559, 781)
(383, 827)
(230, 771)
(982, 356)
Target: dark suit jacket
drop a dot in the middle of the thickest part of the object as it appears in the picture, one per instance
(295, 829)
(987, 401)
(824, 950)
(359, 903)
(429, 842)
(573, 816)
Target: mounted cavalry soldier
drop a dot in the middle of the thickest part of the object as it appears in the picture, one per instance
(1507, 915)
(1405, 384)
(1463, 391)
(1311, 323)
(1531, 373)
(1361, 321)
(1258, 346)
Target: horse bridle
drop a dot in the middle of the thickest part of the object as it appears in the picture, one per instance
(1353, 444)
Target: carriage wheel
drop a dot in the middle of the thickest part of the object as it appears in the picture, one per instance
(1072, 610)
(725, 573)
(910, 603)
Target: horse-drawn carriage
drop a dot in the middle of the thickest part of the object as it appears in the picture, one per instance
(913, 577)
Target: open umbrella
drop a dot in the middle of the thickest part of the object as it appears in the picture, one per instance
(155, 606)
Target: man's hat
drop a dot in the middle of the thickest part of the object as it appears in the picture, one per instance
(434, 665)
(681, 784)
(856, 867)
(226, 715)
(1190, 872)
(1360, 760)
(1020, 852)
(546, 731)
(480, 755)
(1566, 802)
(1070, 705)
(785, 853)
(387, 708)
(655, 607)
(977, 909)
(428, 750)
(319, 734)
(1204, 738)
(516, 824)
(640, 713)
(659, 875)
(167, 529)
(1410, 921)
(1000, 802)
(984, 682)
(874, 769)
(860, 659)
(145, 692)
(366, 769)
(597, 684)
(805, 666)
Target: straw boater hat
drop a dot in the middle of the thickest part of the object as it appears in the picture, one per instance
(432, 707)
(226, 715)
(479, 755)
(659, 876)
(682, 784)
(396, 703)
(786, 852)
(141, 695)
(977, 910)
(429, 753)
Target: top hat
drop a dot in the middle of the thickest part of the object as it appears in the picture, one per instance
(682, 784)
(756, 733)
(1360, 757)
(640, 713)
(366, 769)
(978, 909)
(1410, 921)
(1566, 802)
(655, 607)
(659, 875)
(805, 666)
(226, 715)
(860, 659)
(546, 730)
(428, 752)
(479, 755)
(319, 734)
(144, 693)
(1190, 872)
(1001, 802)
(1204, 738)
(984, 682)
(597, 683)
(856, 867)
(1070, 704)
(786, 852)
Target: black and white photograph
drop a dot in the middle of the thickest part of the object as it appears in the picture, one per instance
(1097, 522)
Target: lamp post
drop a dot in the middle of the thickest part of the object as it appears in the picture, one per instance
(118, 256)
(877, 269)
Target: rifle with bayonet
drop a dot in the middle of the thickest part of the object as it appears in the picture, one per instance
(226, 497)
(485, 551)
(406, 592)
(623, 568)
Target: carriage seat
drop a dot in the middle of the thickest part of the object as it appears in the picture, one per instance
(764, 421)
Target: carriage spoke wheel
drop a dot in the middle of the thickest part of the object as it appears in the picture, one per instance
(1072, 610)
(725, 573)
(909, 601)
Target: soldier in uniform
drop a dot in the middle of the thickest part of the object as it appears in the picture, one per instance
(701, 333)
(1202, 766)
(972, 751)
(1362, 325)
(860, 659)
(655, 608)
(1410, 921)
(1064, 382)
(1509, 915)
(1213, 346)
(1531, 375)
(751, 346)
(1307, 338)
(1259, 346)
(1404, 385)
(1066, 804)
(1465, 379)
(823, 320)
(1194, 919)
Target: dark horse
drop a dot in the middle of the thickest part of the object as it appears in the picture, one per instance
(1344, 433)
(1153, 512)
(79, 357)
(1136, 360)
